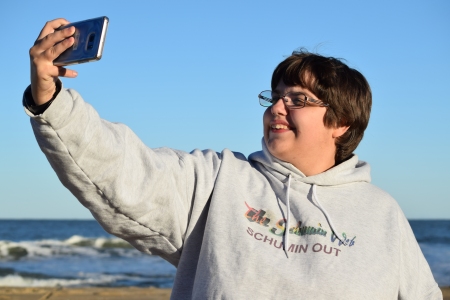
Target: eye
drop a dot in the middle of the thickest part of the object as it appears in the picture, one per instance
(298, 99)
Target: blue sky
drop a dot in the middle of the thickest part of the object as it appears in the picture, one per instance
(186, 74)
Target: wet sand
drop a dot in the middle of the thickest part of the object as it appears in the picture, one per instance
(30, 293)
(446, 292)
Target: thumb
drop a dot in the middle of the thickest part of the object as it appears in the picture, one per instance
(63, 72)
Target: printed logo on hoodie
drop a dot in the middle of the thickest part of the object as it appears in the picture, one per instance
(258, 216)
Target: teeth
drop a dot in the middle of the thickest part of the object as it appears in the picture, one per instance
(279, 126)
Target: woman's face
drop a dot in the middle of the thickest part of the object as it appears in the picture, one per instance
(298, 136)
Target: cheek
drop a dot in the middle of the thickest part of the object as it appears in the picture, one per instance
(309, 122)
(267, 117)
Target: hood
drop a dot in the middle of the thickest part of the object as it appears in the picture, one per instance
(351, 170)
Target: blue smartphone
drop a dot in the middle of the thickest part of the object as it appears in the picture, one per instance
(89, 41)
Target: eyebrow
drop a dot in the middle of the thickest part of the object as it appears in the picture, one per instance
(307, 94)
(297, 92)
(277, 91)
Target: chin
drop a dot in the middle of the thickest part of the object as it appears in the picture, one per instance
(277, 150)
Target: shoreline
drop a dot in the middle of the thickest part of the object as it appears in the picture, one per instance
(135, 293)
(83, 293)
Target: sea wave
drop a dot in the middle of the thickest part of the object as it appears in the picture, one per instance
(73, 246)
(19, 281)
(98, 243)
(13, 278)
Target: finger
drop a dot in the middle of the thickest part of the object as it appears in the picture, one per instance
(53, 38)
(63, 72)
(54, 71)
(50, 27)
(55, 51)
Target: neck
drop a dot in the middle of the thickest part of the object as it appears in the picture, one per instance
(310, 161)
(310, 168)
(314, 165)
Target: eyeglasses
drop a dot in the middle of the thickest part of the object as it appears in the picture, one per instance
(292, 100)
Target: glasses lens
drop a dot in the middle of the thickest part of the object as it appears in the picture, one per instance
(265, 98)
(297, 99)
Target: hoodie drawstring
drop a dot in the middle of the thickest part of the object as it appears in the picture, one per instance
(316, 199)
(317, 202)
(288, 212)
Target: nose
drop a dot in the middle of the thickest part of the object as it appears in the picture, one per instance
(279, 108)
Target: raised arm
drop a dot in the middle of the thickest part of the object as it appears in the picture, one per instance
(149, 197)
(48, 46)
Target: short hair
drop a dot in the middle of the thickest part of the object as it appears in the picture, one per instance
(345, 90)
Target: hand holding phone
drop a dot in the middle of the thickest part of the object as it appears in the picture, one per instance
(49, 45)
(89, 39)
(52, 41)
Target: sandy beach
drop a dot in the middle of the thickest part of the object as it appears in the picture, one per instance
(31, 293)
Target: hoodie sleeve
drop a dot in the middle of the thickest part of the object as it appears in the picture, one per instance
(148, 197)
(416, 279)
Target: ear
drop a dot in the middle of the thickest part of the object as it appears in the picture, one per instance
(338, 131)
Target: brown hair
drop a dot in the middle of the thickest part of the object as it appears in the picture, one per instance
(345, 90)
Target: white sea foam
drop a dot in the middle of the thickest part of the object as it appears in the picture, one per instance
(74, 246)
(19, 281)
(76, 239)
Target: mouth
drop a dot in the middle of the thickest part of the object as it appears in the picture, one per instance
(279, 126)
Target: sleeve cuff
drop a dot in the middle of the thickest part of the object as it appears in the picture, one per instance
(28, 101)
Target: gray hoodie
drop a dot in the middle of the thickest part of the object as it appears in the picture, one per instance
(237, 228)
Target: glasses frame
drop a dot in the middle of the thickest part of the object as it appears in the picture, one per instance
(264, 100)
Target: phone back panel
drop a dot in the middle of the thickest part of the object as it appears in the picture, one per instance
(89, 40)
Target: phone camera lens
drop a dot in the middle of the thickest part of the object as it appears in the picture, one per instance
(90, 44)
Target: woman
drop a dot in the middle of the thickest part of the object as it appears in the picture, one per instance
(297, 219)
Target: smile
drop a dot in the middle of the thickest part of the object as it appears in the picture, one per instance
(279, 126)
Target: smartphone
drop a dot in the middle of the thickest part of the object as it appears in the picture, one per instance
(89, 41)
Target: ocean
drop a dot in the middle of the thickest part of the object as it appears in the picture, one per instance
(74, 253)
(47, 253)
